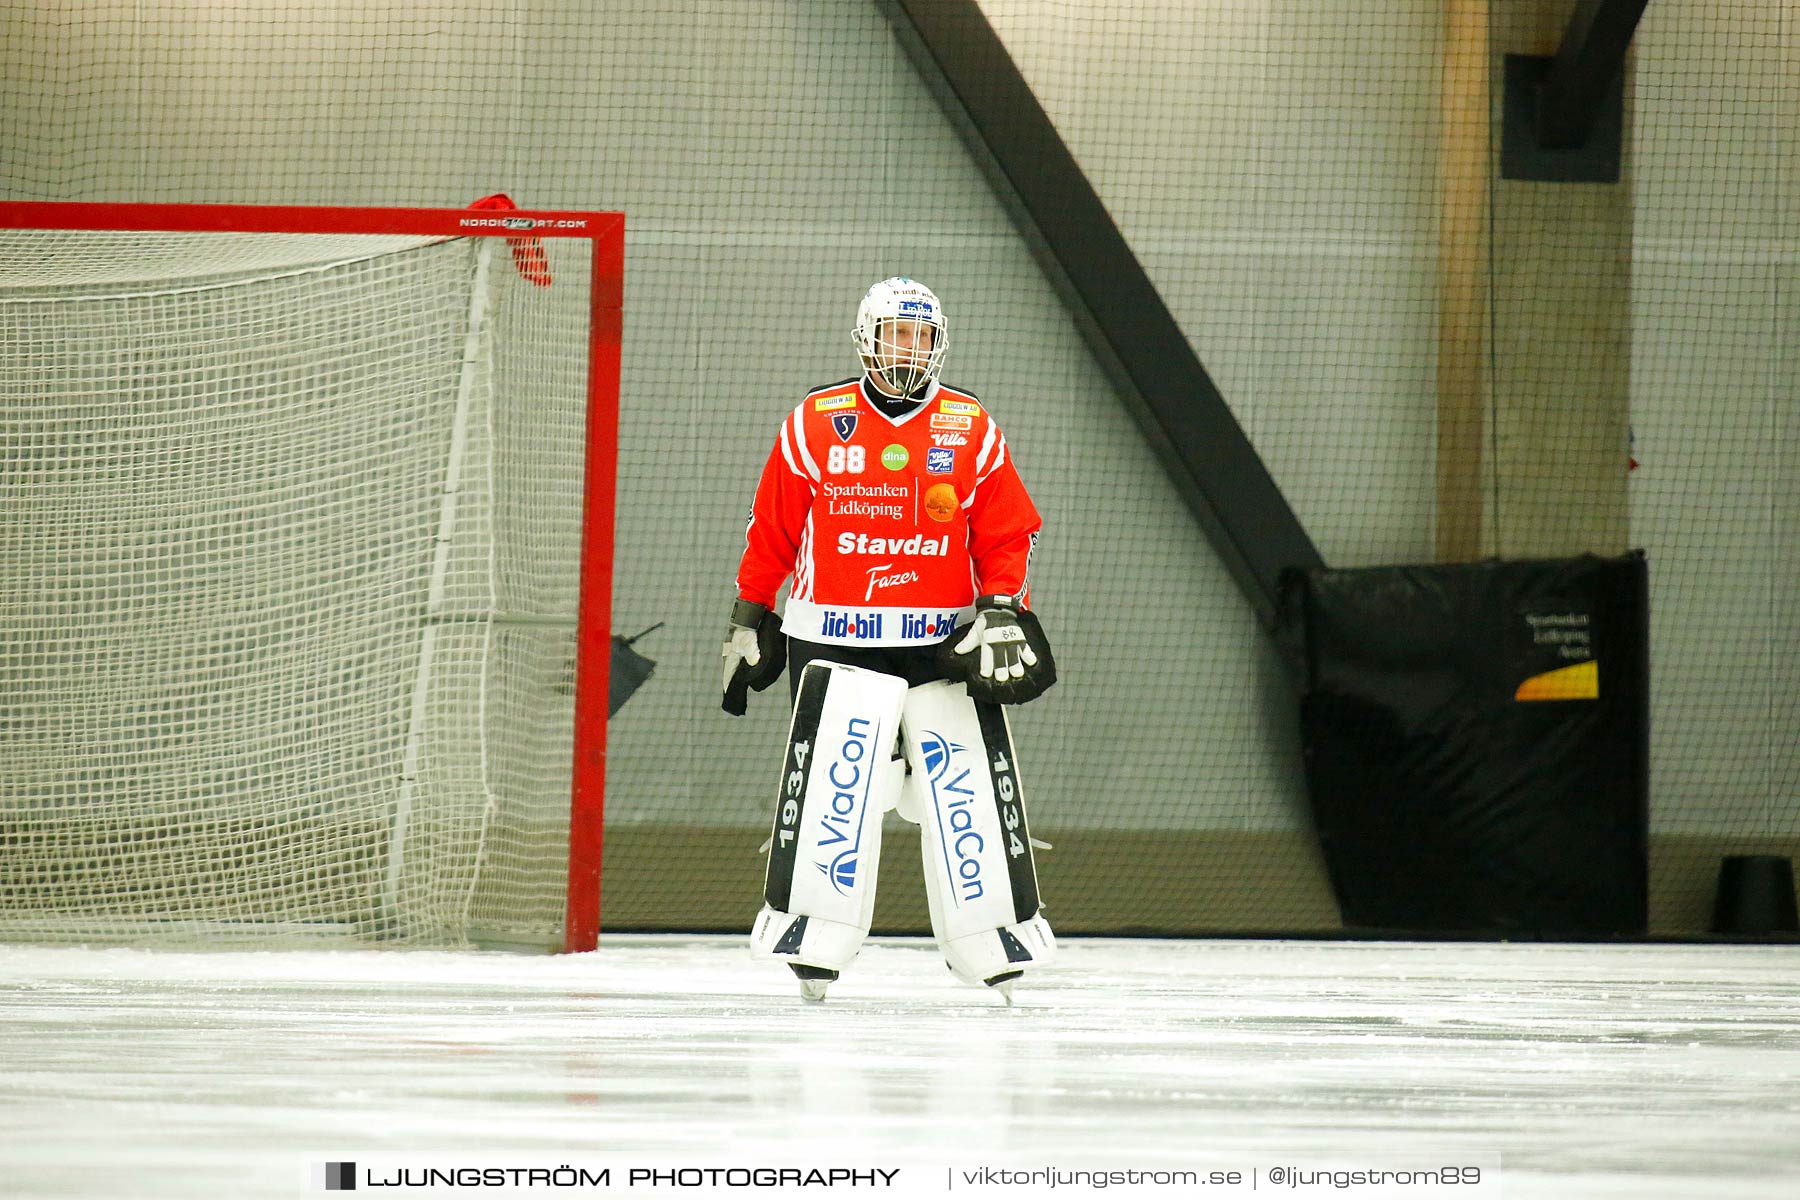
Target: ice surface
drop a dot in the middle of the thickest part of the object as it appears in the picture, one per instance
(1587, 1070)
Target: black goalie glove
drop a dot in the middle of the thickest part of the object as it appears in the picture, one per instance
(1003, 654)
(755, 652)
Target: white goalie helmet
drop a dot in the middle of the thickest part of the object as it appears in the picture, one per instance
(889, 326)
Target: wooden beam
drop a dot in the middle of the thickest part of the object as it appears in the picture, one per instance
(1464, 166)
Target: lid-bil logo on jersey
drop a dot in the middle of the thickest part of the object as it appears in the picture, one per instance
(919, 626)
(894, 457)
(940, 462)
(843, 424)
(857, 626)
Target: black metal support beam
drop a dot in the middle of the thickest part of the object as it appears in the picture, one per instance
(1130, 330)
(1585, 70)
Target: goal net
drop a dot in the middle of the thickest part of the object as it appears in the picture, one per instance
(295, 613)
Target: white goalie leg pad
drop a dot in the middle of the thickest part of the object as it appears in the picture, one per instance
(910, 800)
(838, 777)
(980, 879)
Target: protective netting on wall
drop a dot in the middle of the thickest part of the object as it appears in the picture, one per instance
(1440, 363)
(1432, 361)
(1715, 318)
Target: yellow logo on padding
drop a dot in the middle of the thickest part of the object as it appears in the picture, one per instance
(960, 407)
(833, 403)
(1579, 682)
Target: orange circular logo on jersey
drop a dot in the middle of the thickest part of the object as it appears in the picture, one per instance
(940, 501)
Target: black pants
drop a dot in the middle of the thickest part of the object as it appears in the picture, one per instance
(915, 664)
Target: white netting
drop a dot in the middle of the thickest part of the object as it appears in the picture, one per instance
(60, 259)
(248, 687)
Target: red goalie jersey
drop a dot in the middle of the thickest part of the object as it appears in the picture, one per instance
(889, 527)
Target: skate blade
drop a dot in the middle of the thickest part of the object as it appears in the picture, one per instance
(1003, 983)
(813, 981)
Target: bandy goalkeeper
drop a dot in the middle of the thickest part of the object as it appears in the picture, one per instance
(893, 502)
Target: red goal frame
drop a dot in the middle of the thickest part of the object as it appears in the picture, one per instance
(606, 232)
